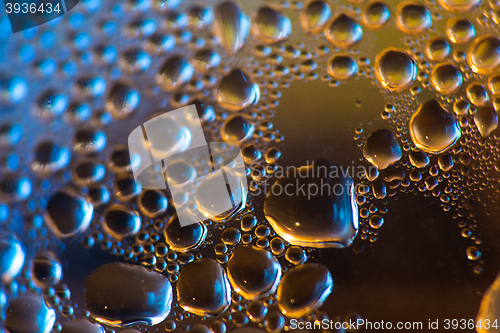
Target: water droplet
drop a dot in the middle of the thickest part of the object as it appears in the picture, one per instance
(489, 307)
(477, 94)
(460, 31)
(120, 294)
(303, 289)
(461, 6)
(382, 149)
(473, 253)
(83, 325)
(438, 49)
(120, 221)
(270, 26)
(205, 60)
(483, 55)
(183, 239)
(237, 91)
(253, 272)
(413, 17)
(446, 78)
(433, 129)
(486, 120)
(50, 158)
(395, 70)
(122, 100)
(307, 215)
(11, 257)
(237, 129)
(12, 90)
(375, 14)
(174, 73)
(343, 31)
(203, 288)
(376, 221)
(68, 213)
(295, 255)
(231, 26)
(342, 67)
(51, 104)
(152, 203)
(47, 269)
(315, 15)
(419, 159)
(29, 314)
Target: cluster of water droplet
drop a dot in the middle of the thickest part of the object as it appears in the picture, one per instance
(75, 87)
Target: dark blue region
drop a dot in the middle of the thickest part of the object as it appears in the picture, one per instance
(70, 4)
(26, 14)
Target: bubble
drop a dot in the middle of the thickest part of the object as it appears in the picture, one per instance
(174, 73)
(473, 253)
(254, 273)
(477, 94)
(446, 78)
(310, 218)
(343, 31)
(270, 26)
(120, 294)
(68, 213)
(486, 120)
(395, 70)
(375, 14)
(237, 129)
(51, 104)
(460, 31)
(433, 129)
(203, 288)
(461, 6)
(483, 55)
(205, 60)
(12, 90)
(438, 49)
(122, 100)
(382, 149)
(47, 269)
(152, 203)
(237, 91)
(183, 239)
(121, 221)
(50, 158)
(342, 67)
(11, 257)
(413, 18)
(231, 26)
(83, 325)
(315, 15)
(29, 314)
(303, 289)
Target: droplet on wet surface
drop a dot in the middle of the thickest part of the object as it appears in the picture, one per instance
(433, 129)
(483, 55)
(68, 213)
(174, 73)
(486, 120)
(253, 272)
(382, 149)
(270, 26)
(123, 100)
(81, 326)
(47, 269)
(184, 238)
(120, 294)
(395, 69)
(203, 288)
(446, 78)
(315, 15)
(303, 214)
(237, 91)
(413, 17)
(29, 314)
(304, 289)
(11, 257)
(343, 31)
(237, 129)
(231, 26)
(120, 221)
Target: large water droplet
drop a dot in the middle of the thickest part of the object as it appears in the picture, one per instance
(484, 54)
(68, 213)
(270, 26)
(203, 288)
(231, 26)
(382, 149)
(303, 289)
(47, 269)
(395, 69)
(237, 129)
(314, 206)
(29, 314)
(446, 78)
(486, 120)
(237, 91)
(50, 157)
(342, 67)
(121, 221)
(315, 15)
(433, 129)
(490, 307)
(343, 31)
(376, 14)
(185, 238)
(119, 294)
(253, 272)
(413, 17)
(174, 73)
(460, 30)
(11, 257)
